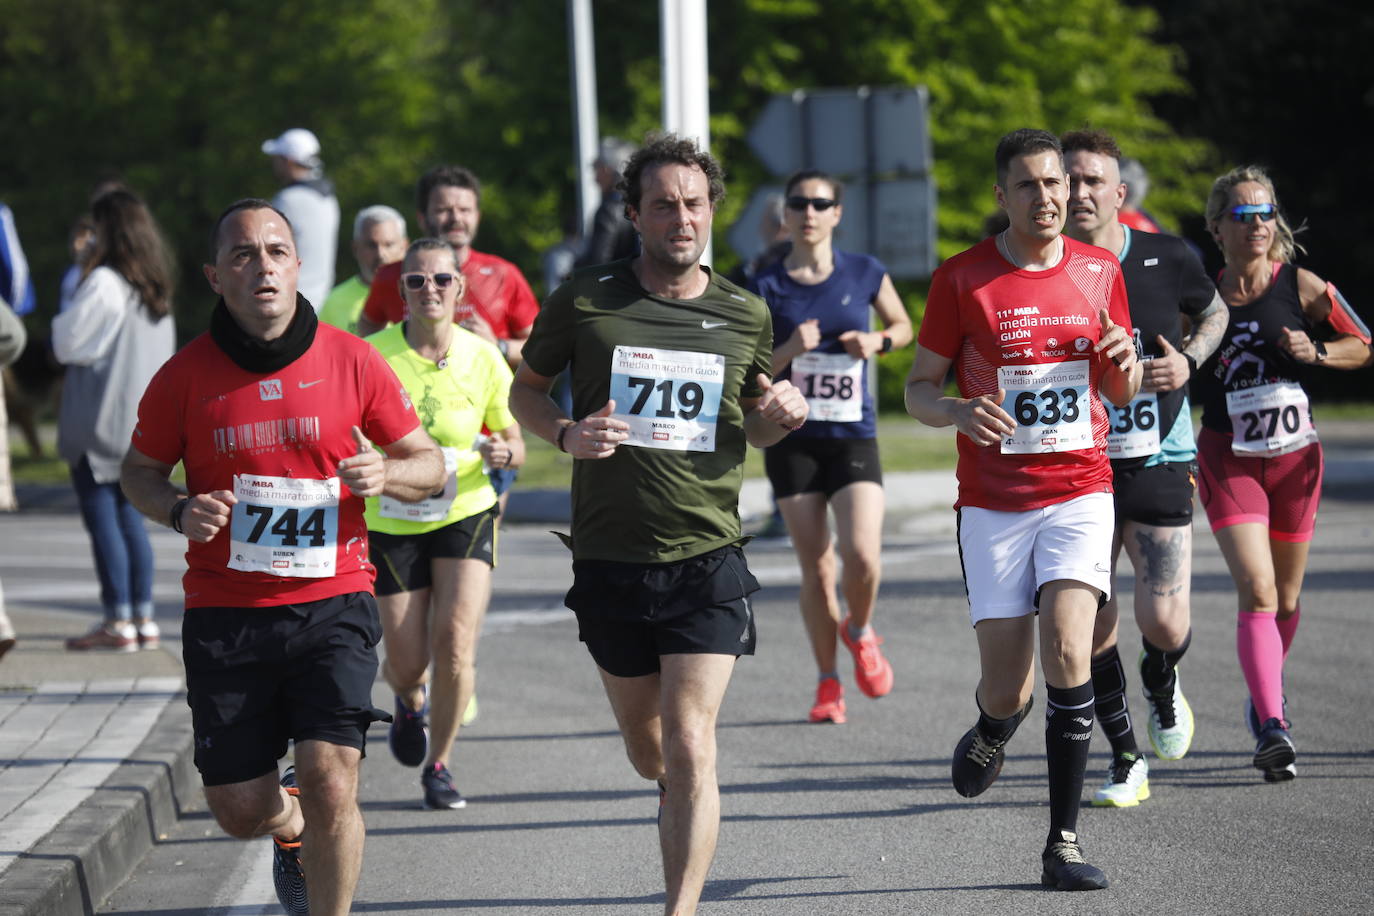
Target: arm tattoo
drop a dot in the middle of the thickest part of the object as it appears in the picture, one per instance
(1208, 329)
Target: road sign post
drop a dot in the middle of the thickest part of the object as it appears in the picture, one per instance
(877, 141)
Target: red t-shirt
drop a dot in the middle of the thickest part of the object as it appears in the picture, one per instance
(276, 440)
(496, 290)
(1031, 333)
(1136, 219)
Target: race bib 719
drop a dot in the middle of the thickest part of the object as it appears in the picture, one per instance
(669, 398)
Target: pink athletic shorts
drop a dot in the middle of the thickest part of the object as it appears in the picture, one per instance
(1280, 493)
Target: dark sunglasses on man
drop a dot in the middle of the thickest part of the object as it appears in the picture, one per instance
(1249, 213)
(416, 282)
(819, 204)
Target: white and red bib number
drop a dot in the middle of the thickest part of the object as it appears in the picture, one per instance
(1050, 404)
(669, 398)
(284, 526)
(832, 384)
(1269, 420)
(1134, 431)
(431, 508)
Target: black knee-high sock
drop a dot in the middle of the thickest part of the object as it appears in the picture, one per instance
(1068, 731)
(1157, 667)
(1109, 689)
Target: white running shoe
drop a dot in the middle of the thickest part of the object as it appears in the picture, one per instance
(1170, 723)
(149, 635)
(1127, 783)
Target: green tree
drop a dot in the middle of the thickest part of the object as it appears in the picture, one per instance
(177, 98)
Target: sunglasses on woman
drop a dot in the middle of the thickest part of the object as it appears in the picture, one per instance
(1249, 213)
(416, 282)
(818, 204)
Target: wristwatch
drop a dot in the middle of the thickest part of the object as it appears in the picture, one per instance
(1192, 363)
(887, 344)
(1321, 350)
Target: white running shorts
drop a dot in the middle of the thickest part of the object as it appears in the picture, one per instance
(1009, 556)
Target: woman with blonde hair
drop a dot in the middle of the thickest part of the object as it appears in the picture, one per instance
(434, 558)
(114, 336)
(1259, 456)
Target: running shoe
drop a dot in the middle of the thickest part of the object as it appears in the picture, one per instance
(1171, 720)
(1127, 782)
(470, 714)
(7, 636)
(872, 672)
(1275, 755)
(829, 705)
(149, 636)
(1064, 868)
(287, 875)
(978, 759)
(409, 734)
(1252, 719)
(111, 636)
(439, 790)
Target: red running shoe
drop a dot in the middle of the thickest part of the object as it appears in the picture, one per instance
(871, 671)
(829, 702)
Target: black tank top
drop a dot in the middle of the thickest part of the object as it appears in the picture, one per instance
(1249, 354)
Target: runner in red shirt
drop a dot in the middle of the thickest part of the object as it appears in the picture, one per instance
(1036, 327)
(272, 415)
(498, 305)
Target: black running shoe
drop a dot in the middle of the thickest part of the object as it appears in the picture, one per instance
(1064, 868)
(287, 875)
(978, 759)
(409, 735)
(439, 790)
(1252, 720)
(1275, 755)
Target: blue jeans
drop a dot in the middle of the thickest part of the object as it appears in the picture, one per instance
(119, 542)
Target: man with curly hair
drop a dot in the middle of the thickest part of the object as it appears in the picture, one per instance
(670, 382)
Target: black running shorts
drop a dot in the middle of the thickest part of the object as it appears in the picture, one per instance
(629, 614)
(797, 465)
(402, 560)
(1160, 495)
(257, 677)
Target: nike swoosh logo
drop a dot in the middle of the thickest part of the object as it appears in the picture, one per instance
(310, 384)
(711, 325)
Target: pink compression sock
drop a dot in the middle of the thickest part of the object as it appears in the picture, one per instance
(1260, 648)
(1288, 628)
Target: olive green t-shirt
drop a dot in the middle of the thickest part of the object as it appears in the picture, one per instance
(677, 369)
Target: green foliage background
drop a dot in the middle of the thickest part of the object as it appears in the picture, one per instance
(177, 97)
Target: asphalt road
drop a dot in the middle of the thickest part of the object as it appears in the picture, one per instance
(858, 818)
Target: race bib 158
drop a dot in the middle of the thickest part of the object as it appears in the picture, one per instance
(832, 384)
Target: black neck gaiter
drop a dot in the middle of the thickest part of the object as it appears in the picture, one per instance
(263, 356)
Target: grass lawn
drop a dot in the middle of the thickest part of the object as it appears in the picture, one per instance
(905, 446)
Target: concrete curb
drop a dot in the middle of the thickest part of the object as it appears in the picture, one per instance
(97, 846)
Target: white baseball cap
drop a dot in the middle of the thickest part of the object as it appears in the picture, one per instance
(296, 144)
